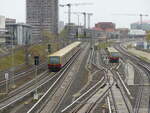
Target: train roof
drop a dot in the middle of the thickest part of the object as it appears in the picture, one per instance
(111, 49)
(65, 50)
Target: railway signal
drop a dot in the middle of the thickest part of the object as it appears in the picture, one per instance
(49, 48)
(36, 60)
(77, 34)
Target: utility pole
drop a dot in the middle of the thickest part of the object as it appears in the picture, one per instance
(36, 63)
(84, 14)
(89, 19)
(78, 19)
(13, 66)
(7, 79)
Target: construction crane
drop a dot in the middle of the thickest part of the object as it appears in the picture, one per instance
(69, 5)
(78, 16)
(89, 19)
(141, 16)
(85, 15)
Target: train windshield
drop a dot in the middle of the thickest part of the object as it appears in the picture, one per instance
(115, 54)
(54, 60)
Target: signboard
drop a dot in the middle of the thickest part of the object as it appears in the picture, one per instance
(6, 76)
(2, 40)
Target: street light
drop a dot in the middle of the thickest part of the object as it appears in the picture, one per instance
(13, 68)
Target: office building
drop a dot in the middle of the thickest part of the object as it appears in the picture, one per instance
(19, 34)
(42, 15)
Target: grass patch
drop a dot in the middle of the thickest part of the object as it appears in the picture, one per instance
(144, 58)
(38, 50)
(129, 46)
(6, 62)
(104, 45)
(19, 55)
(41, 50)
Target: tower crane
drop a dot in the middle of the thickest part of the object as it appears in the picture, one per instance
(141, 16)
(78, 15)
(85, 15)
(69, 5)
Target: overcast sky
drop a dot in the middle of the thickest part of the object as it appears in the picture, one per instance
(104, 10)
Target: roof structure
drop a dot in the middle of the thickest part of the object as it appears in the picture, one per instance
(65, 50)
(144, 22)
(111, 49)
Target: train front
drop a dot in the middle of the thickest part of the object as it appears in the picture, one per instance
(54, 63)
(114, 57)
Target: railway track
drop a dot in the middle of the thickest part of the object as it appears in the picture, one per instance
(26, 90)
(87, 107)
(124, 92)
(43, 101)
(133, 58)
(87, 93)
(143, 66)
(122, 89)
(20, 75)
(84, 97)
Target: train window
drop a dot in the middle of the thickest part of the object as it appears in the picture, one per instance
(54, 60)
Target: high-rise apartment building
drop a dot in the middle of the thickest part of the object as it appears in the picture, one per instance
(43, 16)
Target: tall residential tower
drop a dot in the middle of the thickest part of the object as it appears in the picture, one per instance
(43, 16)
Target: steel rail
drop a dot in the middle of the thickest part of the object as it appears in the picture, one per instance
(82, 96)
(121, 90)
(140, 91)
(29, 92)
(42, 99)
(100, 98)
(25, 73)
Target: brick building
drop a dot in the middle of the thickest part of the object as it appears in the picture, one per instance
(106, 26)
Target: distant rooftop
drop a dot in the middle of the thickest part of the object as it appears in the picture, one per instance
(144, 22)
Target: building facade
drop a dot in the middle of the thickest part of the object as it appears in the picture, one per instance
(123, 32)
(2, 29)
(42, 15)
(19, 34)
(144, 26)
(137, 33)
(106, 26)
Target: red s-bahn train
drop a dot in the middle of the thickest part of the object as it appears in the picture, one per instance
(113, 55)
(58, 59)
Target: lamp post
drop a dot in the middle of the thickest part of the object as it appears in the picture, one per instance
(13, 68)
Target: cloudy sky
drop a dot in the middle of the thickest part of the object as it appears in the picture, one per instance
(104, 10)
